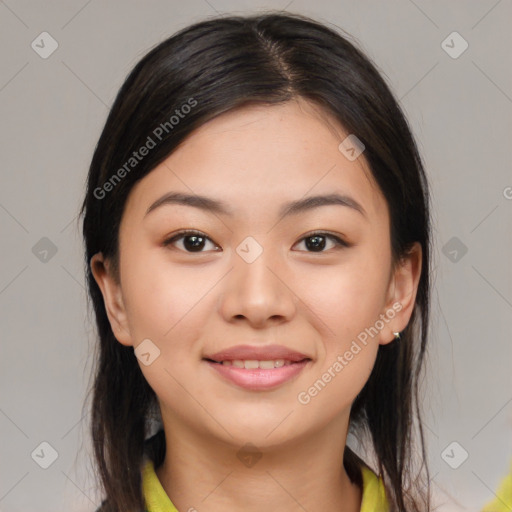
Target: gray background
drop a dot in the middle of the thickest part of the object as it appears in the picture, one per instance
(52, 111)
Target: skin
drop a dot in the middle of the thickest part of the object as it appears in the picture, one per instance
(191, 304)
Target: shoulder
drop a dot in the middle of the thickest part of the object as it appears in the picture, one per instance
(502, 496)
(155, 497)
(374, 491)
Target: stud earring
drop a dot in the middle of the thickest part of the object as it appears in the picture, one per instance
(397, 336)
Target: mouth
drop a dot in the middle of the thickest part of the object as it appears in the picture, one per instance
(252, 364)
(256, 375)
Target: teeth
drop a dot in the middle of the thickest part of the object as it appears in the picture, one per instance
(250, 364)
(267, 364)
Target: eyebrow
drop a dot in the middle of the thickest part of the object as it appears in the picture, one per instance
(292, 208)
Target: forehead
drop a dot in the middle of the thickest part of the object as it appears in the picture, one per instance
(259, 155)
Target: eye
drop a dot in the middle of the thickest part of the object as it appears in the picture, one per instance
(193, 241)
(316, 241)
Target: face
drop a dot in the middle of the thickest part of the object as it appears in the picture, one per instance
(316, 280)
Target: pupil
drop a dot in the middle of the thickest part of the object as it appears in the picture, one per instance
(197, 242)
(315, 245)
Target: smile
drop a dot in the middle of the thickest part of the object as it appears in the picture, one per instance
(251, 364)
(257, 375)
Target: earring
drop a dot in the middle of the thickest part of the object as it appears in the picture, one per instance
(397, 336)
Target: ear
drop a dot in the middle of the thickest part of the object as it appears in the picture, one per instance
(401, 294)
(112, 297)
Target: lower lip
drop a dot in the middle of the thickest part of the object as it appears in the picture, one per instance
(259, 379)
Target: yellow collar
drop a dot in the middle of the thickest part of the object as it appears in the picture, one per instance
(374, 495)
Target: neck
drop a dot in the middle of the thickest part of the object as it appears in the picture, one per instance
(210, 475)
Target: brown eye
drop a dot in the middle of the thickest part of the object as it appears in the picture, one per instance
(317, 242)
(193, 241)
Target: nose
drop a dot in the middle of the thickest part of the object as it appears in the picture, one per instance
(260, 292)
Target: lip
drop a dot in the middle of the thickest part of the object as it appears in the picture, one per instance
(258, 379)
(264, 353)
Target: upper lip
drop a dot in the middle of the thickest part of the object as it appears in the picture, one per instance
(262, 353)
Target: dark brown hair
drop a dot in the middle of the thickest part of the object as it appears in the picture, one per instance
(217, 65)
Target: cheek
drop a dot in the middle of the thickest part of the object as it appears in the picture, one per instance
(346, 298)
(169, 305)
(160, 297)
(338, 382)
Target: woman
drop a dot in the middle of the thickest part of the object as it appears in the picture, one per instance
(257, 238)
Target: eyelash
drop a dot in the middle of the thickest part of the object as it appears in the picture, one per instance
(340, 243)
